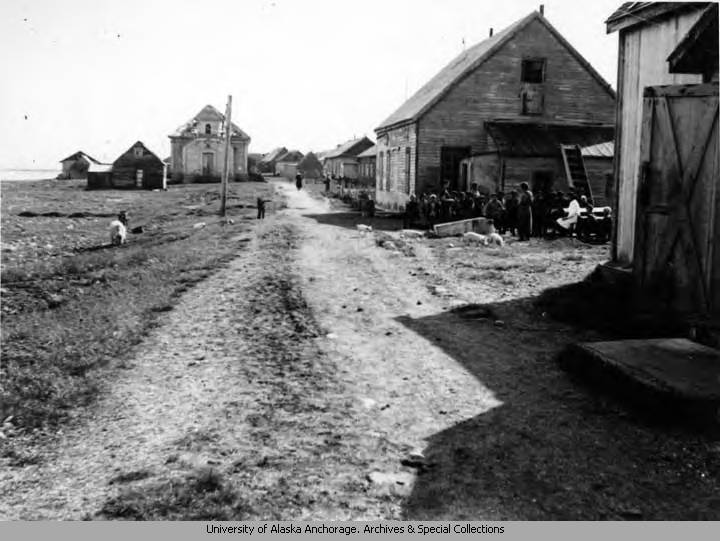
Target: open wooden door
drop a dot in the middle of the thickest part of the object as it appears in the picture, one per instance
(677, 235)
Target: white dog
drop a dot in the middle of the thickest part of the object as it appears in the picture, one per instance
(412, 234)
(118, 232)
(494, 238)
(471, 236)
(364, 228)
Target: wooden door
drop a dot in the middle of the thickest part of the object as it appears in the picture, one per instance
(678, 207)
(208, 163)
(450, 158)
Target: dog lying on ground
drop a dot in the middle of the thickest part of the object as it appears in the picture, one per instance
(495, 238)
(118, 233)
(476, 238)
(364, 228)
(485, 240)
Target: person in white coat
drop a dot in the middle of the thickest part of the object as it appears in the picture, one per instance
(571, 214)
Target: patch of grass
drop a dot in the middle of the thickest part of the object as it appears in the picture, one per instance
(64, 317)
(204, 495)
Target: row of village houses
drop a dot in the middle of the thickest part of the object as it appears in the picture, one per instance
(524, 105)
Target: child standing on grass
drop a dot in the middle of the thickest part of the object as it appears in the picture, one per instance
(261, 207)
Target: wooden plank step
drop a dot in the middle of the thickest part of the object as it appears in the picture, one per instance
(663, 372)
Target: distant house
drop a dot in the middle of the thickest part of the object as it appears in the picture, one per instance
(286, 165)
(76, 165)
(310, 166)
(366, 167)
(267, 164)
(508, 103)
(667, 152)
(254, 160)
(138, 167)
(342, 162)
(198, 148)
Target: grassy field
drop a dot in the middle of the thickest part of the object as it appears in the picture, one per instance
(72, 304)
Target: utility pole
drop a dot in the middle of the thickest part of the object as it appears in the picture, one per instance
(228, 158)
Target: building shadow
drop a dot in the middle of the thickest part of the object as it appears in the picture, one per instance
(553, 449)
(350, 219)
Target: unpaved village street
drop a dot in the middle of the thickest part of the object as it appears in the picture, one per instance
(321, 375)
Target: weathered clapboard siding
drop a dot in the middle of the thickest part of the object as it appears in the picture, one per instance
(125, 169)
(600, 171)
(492, 92)
(490, 89)
(643, 51)
(394, 182)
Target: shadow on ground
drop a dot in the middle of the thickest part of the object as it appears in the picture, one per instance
(554, 450)
(349, 219)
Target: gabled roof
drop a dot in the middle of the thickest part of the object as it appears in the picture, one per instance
(146, 152)
(353, 147)
(369, 153)
(207, 114)
(274, 154)
(420, 102)
(80, 154)
(291, 156)
(635, 13)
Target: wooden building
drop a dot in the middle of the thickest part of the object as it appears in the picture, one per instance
(267, 164)
(366, 164)
(198, 148)
(76, 165)
(524, 79)
(666, 154)
(342, 162)
(138, 167)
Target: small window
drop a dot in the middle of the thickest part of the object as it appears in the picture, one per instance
(138, 152)
(533, 71)
(208, 129)
(407, 169)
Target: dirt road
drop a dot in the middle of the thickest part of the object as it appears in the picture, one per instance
(320, 376)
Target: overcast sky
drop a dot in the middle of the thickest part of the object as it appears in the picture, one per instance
(97, 75)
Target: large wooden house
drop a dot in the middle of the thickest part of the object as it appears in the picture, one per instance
(509, 102)
(666, 152)
(198, 148)
(269, 161)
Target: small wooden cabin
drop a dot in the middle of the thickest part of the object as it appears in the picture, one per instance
(342, 162)
(666, 166)
(267, 164)
(525, 78)
(138, 167)
(366, 164)
(76, 165)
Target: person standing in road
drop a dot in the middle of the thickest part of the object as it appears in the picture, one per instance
(298, 181)
(524, 212)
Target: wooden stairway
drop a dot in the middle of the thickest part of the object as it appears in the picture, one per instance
(575, 171)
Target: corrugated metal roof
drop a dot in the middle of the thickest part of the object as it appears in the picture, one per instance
(517, 138)
(601, 150)
(100, 168)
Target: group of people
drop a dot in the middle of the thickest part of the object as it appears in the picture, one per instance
(519, 212)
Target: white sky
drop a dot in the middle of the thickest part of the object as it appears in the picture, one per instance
(97, 75)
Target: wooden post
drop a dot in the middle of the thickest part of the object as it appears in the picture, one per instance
(226, 170)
